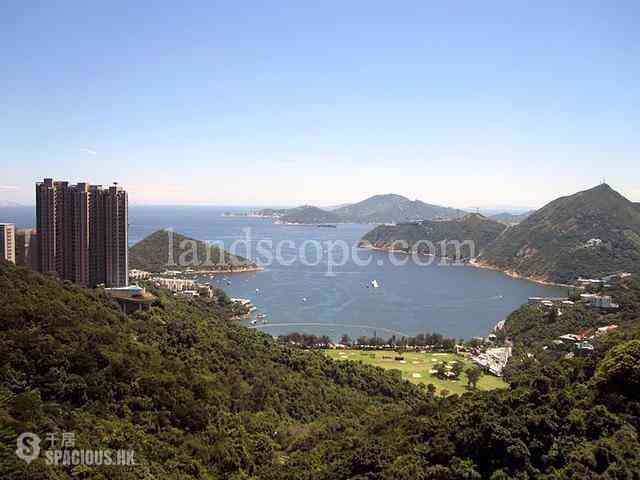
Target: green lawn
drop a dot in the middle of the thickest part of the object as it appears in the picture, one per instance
(417, 366)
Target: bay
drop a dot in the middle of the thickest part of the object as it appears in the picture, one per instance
(313, 297)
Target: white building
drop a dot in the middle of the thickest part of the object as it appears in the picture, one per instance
(174, 284)
(8, 242)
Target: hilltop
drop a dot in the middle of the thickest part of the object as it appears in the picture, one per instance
(166, 250)
(588, 234)
(472, 227)
(393, 208)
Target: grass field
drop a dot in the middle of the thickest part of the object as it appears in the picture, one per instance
(416, 367)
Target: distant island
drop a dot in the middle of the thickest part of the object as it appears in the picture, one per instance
(310, 216)
(389, 208)
(164, 250)
(589, 234)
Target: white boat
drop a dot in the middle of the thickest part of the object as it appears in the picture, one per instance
(374, 284)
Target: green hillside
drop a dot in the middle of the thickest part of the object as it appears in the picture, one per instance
(474, 228)
(200, 397)
(165, 250)
(553, 243)
(195, 394)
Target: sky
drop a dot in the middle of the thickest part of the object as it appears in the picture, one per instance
(286, 103)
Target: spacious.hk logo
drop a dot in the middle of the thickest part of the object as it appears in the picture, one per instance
(62, 451)
(28, 447)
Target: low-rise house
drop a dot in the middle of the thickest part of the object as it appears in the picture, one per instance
(139, 274)
(606, 329)
(589, 281)
(205, 291)
(494, 359)
(131, 298)
(546, 300)
(174, 284)
(593, 242)
(570, 337)
(599, 301)
(584, 346)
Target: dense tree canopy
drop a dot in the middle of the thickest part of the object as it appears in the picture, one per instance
(198, 396)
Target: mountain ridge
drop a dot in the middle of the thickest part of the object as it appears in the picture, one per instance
(394, 208)
(589, 233)
(383, 208)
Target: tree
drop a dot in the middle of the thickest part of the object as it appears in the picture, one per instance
(473, 375)
(456, 368)
(441, 369)
(620, 369)
(345, 339)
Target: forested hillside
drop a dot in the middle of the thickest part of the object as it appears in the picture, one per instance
(167, 250)
(590, 233)
(465, 237)
(198, 396)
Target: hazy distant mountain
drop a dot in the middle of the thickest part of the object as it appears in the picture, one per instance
(473, 227)
(310, 215)
(392, 208)
(335, 207)
(510, 218)
(587, 234)
(9, 203)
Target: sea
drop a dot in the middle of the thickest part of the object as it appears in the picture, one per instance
(316, 281)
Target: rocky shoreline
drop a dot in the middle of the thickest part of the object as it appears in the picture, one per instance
(511, 273)
(474, 262)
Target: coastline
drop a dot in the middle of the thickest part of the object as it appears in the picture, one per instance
(475, 263)
(195, 273)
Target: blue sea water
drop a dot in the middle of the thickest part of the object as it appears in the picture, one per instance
(457, 301)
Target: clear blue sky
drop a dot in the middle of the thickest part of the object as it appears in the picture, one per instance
(283, 103)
